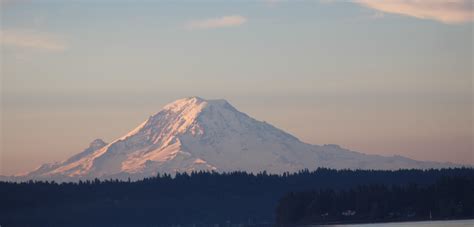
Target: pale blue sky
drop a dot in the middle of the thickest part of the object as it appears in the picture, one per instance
(361, 75)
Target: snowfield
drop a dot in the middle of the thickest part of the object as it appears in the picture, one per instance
(195, 134)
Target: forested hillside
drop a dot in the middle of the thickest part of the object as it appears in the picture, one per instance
(448, 198)
(198, 198)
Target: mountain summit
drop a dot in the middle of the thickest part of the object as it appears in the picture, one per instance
(193, 134)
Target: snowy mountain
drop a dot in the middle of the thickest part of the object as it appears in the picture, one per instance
(194, 134)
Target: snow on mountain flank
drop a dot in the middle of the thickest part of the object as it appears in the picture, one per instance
(193, 134)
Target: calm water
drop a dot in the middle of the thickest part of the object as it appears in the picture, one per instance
(455, 223)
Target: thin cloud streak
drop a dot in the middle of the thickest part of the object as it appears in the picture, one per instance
(214, 23)
(448, 12)
(29, 39)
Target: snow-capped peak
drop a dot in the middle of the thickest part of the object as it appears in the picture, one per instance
(184, 115)
(194, 105)
(198, 134)
(180, 104)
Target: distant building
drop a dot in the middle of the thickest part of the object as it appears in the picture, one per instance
(348, 213)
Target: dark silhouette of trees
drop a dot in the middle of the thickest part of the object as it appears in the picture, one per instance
(448, 198)
(237, 197)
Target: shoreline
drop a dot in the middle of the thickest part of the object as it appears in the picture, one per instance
(355, 222)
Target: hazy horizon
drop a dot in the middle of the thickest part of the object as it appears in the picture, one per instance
(388, 79)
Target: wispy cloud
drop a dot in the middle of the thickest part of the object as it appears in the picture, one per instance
(32, 40)
(221, 22)
(446, 11)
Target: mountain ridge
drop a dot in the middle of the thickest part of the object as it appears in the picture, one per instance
(194, 134)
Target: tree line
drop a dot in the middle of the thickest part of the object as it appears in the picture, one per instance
(204, 198)
(448, 198)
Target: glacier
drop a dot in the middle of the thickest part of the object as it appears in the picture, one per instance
(194, 134)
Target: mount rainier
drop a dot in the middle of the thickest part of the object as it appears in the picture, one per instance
(194, 134)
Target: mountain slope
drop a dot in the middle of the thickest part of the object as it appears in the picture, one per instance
(194, 134)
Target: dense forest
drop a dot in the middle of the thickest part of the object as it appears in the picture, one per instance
(239, 198)
(448, 198)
